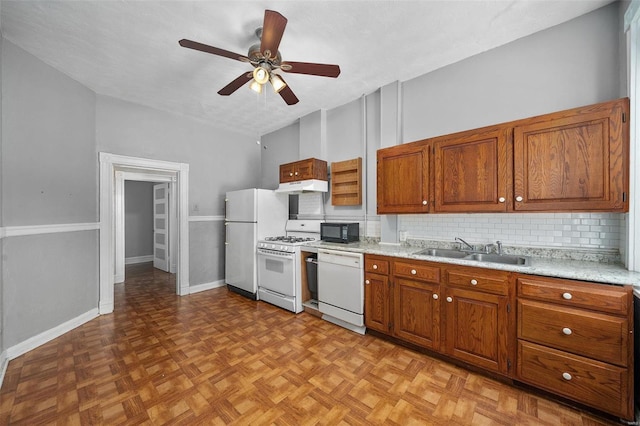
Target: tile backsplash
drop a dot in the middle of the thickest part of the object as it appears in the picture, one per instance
(580, 230)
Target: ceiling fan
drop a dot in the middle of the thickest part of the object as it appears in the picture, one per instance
(266, 59)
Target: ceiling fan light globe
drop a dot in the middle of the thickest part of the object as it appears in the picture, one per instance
(255, 86)
(261, 75)
(277, 83)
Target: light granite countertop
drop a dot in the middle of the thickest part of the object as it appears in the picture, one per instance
(607, 273)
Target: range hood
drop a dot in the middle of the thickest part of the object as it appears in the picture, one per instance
(310, 185)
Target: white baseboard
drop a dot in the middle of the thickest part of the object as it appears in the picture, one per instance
(206, 286)
(138, 259)
(46, 336)
(4, 362)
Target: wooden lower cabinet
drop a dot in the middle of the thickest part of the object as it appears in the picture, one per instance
(462, 312)
(416, 312)
(477, 326)
(376, 302)
(376, 293)
(575, 339)
(567, 337)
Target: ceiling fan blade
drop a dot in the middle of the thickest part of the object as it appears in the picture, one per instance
(287, 94)
(213, 50)
(272, 30)
(235, 84)
(323, 70)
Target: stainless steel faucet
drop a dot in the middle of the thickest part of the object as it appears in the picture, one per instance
(465, 243)
(499, 247)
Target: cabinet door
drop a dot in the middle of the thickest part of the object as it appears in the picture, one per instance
(575, 160)
(416, 312)
(304, 170)
(403, 179)
(472, 172)
(477, 329)
(376, 302)
(287, 172)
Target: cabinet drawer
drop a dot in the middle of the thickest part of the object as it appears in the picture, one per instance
(600, 297)
(600, 385)
(417, 271)
(478, 279)
(376, 265)
(599, 336)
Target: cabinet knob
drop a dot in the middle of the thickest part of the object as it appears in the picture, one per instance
(449, 299)
(567, 296)
(367, 282)
(375, 266)
(518, 198)
(435, 296)
(567, 331)
(413, 272)
(566, 376)
(501, 199)
(474, 282)
(296, 173)
(424, 202)
(290, 174)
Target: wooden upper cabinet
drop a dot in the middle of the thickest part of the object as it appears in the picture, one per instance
(574, 160)
(472, 172)
(403, 179)
(311, 168)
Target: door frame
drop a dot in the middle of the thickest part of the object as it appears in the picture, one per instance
(109, 165)
(141, 176)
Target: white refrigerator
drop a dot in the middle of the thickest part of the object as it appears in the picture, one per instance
(250, 215)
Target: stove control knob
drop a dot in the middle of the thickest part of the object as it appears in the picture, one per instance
(283, 248)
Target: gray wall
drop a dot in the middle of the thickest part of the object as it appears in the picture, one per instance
(138, 219)
(278, 147)
(573, 64)
(52, 131)
(1, 223)
(219, 161)
(49, 176)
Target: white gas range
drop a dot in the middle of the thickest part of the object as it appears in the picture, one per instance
(280, 264)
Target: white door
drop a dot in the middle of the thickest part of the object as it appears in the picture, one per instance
(161, 226)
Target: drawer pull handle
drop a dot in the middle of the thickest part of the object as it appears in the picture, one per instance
(566, 376)
(375, 266)
(474, 282)
(435, 296)
(413, 272)
(567, 331)
(567, 296)
(367, 282)
(449, 299)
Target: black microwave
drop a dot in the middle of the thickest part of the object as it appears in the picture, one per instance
(340, 232)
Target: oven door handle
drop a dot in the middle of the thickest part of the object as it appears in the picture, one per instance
(284, 255)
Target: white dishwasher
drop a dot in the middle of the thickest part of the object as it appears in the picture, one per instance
(341, 288)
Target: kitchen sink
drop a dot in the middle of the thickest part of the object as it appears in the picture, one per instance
(499, 258)
(454, 254)
(504, 259)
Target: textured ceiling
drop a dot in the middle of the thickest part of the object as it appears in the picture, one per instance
(129, 49)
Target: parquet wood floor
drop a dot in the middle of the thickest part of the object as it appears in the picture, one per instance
(218, 358)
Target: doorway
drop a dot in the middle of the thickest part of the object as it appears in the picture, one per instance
(165, 216)
(113, 168)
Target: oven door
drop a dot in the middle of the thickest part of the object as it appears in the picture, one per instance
(276, 272)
